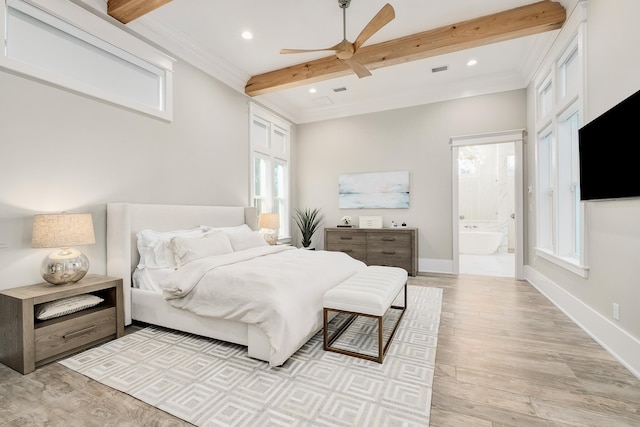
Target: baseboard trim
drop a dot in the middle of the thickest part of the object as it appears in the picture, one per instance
(426, 265)
(619, 343)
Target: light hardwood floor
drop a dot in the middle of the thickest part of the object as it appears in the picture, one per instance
(506, 357)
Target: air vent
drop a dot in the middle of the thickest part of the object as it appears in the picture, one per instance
(339, 89)
(438, 69)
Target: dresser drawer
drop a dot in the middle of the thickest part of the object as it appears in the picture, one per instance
(395, 247)
(357, 252)
(380, 239)
(346, 239)
(389, 253)
(390, 261)
(353, 244)
(56, 336)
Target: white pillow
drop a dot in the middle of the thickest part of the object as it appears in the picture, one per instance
(232, 229)
(189, 249)
(246, 240)
(154, 250)
(64, 306)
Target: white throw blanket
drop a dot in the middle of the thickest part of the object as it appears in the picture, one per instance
(277, 288)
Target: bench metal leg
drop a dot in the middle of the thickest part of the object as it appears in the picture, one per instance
(382, 349)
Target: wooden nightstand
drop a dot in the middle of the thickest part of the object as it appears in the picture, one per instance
(28, 342)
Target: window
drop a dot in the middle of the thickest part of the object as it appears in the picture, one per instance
(544, 99)
(545, 192)
(568, 187)
(270, 163)
(50, 41)
(559, 104)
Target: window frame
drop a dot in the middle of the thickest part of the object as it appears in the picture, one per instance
(100, 40)
(271, 204)
(569, 220)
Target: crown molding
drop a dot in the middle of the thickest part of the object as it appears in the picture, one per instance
(192, 52)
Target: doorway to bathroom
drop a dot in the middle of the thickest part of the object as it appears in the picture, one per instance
(487, 204)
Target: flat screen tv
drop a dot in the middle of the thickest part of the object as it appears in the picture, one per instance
(608, 146)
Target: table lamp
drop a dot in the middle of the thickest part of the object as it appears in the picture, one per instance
(269, 222)
(61, 231)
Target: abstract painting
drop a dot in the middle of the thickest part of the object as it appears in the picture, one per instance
(378, 190)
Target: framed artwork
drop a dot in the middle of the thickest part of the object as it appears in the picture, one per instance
(377, 190)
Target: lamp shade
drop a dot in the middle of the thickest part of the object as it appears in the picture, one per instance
(65, 264)
(62, 230)
(269, 220)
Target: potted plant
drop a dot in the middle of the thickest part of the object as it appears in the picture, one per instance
(308, 221)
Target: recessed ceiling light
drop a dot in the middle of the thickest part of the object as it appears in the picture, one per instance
(247, 35)
(312, 90)
(472, 62)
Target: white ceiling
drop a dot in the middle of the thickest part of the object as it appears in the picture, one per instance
(207, 34)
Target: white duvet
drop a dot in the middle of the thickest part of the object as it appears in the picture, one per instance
(277, 288)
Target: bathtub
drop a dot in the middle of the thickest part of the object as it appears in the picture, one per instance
(479, 242)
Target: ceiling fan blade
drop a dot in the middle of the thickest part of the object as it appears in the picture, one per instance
(283, 51)
(382, 18)
(336, 48)
(358, 68)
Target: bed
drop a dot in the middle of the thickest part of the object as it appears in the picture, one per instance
(169, 308)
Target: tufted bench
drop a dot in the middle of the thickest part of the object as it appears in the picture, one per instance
(370, 293)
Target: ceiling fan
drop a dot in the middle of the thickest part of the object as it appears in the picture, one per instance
(345, 49)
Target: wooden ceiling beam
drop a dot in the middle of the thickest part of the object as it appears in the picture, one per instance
(127, 10)
(523, 21)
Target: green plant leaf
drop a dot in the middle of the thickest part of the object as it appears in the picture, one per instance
(308, 221)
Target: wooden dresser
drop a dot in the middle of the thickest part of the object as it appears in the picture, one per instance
(396, 247)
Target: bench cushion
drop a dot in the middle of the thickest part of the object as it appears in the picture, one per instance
(370, 291)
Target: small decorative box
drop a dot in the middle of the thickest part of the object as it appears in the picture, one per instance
(370, 222)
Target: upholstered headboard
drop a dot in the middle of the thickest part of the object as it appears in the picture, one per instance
(124, 220)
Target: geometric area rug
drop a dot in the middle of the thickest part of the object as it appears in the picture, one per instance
(213, 383)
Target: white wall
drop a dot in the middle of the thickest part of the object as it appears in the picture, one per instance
(613, 67)
(65, 152)
(414, 139)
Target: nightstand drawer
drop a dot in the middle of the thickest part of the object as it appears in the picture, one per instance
(57, 336)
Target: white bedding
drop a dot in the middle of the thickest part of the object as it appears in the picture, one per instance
(277, 288)
(148, 279)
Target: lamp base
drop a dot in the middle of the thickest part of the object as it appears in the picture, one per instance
(64, 266)
(270, 236)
